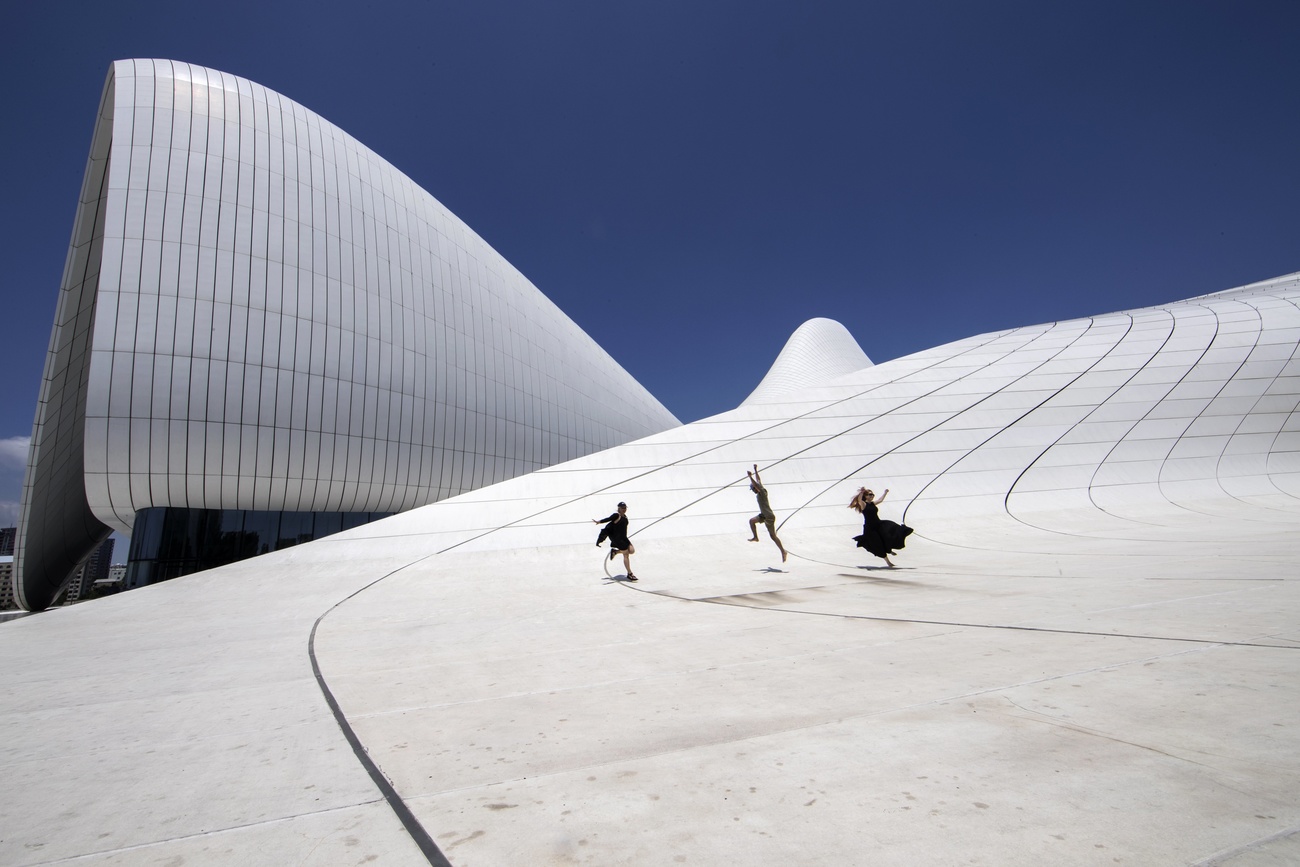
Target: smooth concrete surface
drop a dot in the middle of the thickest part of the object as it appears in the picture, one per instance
(984, 703)
(1089, 653)
(181, 724)
(972, 706)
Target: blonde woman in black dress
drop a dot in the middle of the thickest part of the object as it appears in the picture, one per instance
(880, 538)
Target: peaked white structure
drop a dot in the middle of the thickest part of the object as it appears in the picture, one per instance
(819, 350)
(259, 314)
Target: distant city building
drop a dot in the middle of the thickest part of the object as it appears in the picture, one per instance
(266, 333)
(7, 535)
(7, 582)
(93, 570)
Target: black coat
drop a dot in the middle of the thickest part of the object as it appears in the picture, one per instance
(615, 530)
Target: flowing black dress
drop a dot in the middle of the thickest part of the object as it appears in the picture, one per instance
(880, 537)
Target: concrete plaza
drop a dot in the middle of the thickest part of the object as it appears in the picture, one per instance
(987, 702)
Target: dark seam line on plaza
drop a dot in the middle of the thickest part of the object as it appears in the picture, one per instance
(152, 844)
(412, 825)
(963, 546)
(1226, 856)
(720, 600)
(431, 851)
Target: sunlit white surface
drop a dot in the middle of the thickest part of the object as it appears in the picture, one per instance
(1087, 655)
(258, 312)
(819, 350)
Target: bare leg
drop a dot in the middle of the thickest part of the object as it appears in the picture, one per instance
(627, 562)
(753, 529)
(888, 563)
(771, 531)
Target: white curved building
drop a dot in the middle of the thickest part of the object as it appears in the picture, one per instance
(819, 350)
(1192, 406)
(1091, 635)
(1149, 424)
(260, 315)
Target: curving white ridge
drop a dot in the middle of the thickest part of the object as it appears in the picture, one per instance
(818, 351)
(258, 312)
(1139, 423)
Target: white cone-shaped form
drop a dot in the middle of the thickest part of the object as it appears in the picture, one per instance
(819, 350)
(259, 313)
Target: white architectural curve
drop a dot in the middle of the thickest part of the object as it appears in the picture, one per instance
(818, 351)
(260, 313)
(1103, 425)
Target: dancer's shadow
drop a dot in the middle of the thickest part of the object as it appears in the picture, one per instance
(883, 579)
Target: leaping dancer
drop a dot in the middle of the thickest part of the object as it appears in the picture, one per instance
(616, 531)
(765, 514)
(880, 537)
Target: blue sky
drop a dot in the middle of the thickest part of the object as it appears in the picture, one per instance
(690, 181)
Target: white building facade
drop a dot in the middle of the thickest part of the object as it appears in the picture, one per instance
(259, 314)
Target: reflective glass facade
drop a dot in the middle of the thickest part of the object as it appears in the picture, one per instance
(167, 543)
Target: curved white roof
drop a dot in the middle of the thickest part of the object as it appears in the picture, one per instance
(818, 351)
(259, 312)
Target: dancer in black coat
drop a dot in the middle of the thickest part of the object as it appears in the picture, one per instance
(616, 531)
(881, 538)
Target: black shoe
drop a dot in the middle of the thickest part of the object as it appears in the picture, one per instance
(612, 554)
(631, 577)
